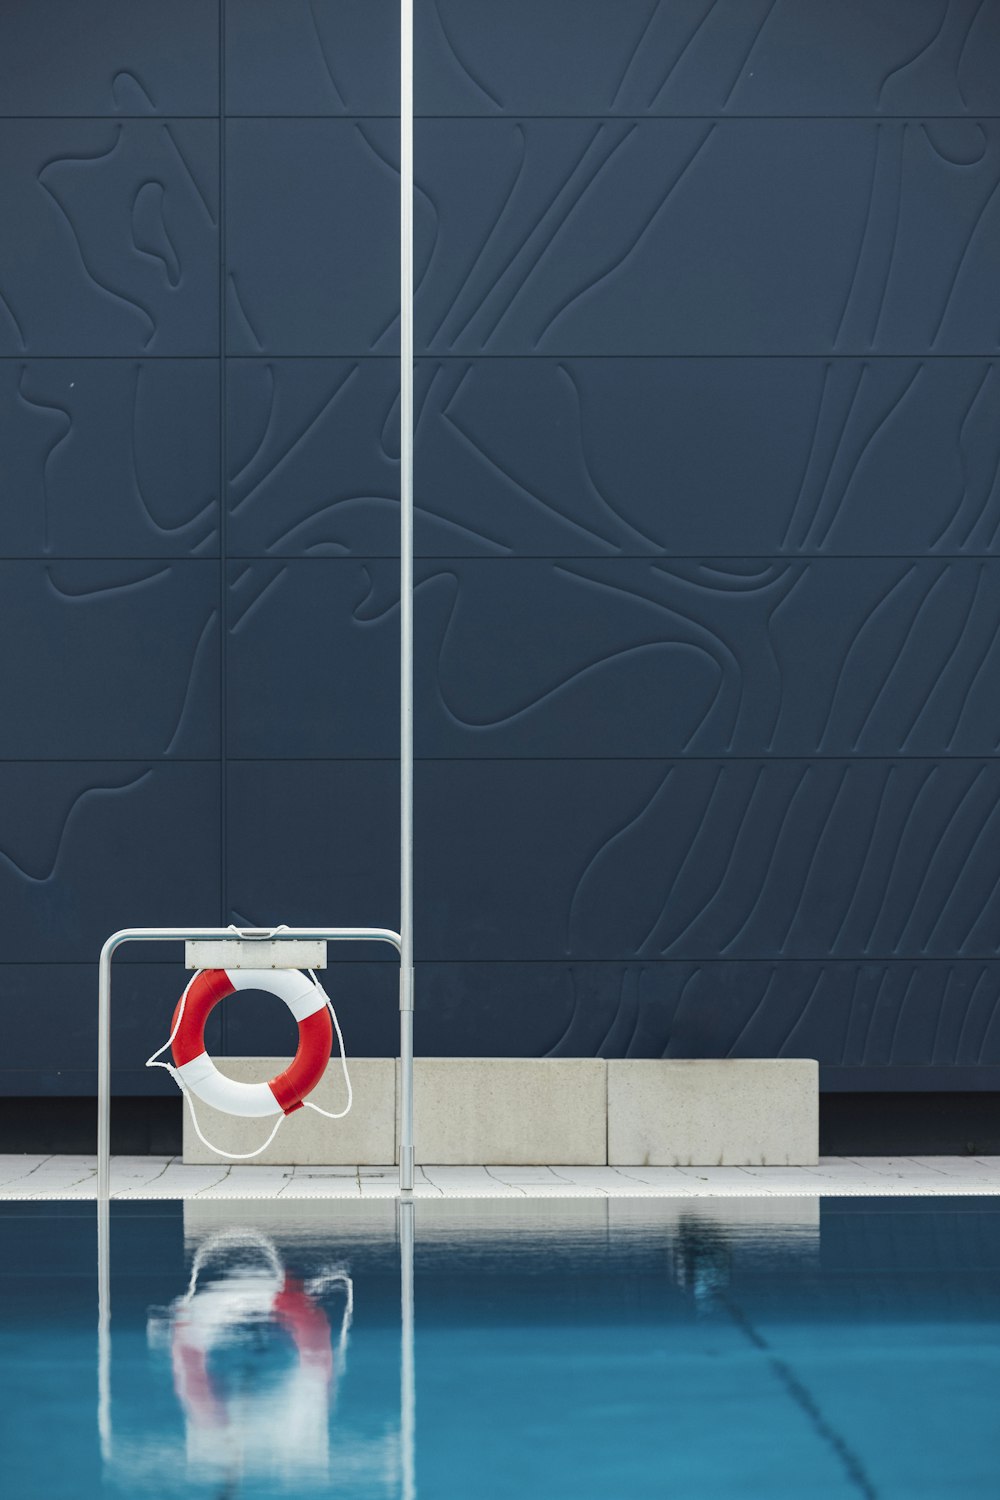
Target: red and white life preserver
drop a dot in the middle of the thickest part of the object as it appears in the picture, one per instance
(307, 1002)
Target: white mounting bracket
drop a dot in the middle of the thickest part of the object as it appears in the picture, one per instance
(250, 952)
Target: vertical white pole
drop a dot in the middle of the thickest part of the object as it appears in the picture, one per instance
(406, 594)
(104, 1073)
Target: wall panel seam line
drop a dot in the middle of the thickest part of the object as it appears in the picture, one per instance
(512, 116)
(496, 961)
(475, 356)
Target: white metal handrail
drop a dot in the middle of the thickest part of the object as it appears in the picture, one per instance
(221, 934)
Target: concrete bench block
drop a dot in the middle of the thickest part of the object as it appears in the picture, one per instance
(365, 1137)
(505, 1111)
(732, 1112)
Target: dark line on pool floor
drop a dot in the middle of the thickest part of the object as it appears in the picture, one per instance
(805, 1400)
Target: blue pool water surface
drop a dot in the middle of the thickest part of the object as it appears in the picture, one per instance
(575, 1348)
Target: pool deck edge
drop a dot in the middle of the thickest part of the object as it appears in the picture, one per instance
(67, 1178)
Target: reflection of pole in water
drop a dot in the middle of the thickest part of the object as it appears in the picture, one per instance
(701, 1261)
(407, 1385)
(104, 1326)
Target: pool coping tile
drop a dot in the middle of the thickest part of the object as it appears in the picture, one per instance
(41, 1178)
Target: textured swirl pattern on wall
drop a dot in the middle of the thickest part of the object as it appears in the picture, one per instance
(708, 520)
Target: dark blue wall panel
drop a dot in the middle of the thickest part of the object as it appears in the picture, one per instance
(312, 261)
(113, 458)
(93, 846)
(629, 57)
(612, 457)
(110, 241)
(607, 859)
(583, 237)
(120, 57)
(708, 521)
(623, 658)
(153, 629)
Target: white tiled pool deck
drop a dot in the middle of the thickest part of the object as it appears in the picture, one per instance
(75, 1177)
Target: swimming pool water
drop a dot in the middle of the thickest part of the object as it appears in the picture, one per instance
(574, 1348)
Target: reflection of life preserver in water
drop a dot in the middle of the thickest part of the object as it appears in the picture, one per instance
(307, 1002)
(282, 1427)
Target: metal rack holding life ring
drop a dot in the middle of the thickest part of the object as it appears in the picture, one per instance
(253, 958)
